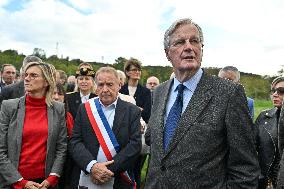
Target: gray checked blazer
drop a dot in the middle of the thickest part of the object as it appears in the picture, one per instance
(213, 145)
(11, 126)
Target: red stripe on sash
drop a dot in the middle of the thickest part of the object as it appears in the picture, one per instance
(98, 132)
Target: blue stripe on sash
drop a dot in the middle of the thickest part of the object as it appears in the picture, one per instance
(106, 125)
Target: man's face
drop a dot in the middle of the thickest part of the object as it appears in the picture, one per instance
(107, 87)
(9, 74)
(152, 83)
(230, 75)
(185, 50)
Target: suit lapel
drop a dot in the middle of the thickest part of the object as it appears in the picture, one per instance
(200, 98)
(50, 126)
(20, 124)
(21, 91)
(78, 100)
(271, 117)
(118, 117)
(92, 95)
(161, 108)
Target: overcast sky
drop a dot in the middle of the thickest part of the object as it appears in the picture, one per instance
(247, 34)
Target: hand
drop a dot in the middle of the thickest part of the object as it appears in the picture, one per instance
(32, 185)
(44, 185)
(100, 173)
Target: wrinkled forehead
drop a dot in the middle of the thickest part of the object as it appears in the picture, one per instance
(9, 68)
(185, 30)
(34, 69)
(152, 80)
(107, 77)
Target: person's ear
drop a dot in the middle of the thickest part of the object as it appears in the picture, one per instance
(167, 54)
(127, 73)
(46, 84)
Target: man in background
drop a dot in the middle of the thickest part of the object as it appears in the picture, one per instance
(61, 77)
(8, 75)
(71, 81)
(232, 73)
(17, 90)
(152, 83)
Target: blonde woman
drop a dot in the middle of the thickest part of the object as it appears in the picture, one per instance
(84, 89)
(33, 136)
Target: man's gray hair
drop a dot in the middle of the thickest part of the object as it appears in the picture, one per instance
(28, 59)
(177, 24)
(232, 69)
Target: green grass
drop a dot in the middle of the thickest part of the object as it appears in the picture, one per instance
(260, 105)
(143, 172)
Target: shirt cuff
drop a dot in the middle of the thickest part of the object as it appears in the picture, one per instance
(21, 183)
(53, 180)
(90, 165)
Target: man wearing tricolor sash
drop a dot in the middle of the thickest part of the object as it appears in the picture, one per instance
(106, 138)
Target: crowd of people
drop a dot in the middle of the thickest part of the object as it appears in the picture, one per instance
(97, 128)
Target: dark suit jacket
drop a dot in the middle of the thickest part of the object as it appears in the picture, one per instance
(15, 90)
(126, 127)
(74, 100)
(142, 97)
(12, 118)
(2, 85)
(213, 146)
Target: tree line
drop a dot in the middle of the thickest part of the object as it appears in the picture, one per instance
(256, 86)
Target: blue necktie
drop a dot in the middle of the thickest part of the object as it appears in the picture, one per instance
(173, 117)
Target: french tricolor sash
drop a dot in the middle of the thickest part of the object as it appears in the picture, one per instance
(109, 146)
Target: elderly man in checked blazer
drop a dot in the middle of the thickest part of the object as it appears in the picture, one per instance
(200, 129)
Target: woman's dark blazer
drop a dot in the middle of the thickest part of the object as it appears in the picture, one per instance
(142, 97)
(73, 100)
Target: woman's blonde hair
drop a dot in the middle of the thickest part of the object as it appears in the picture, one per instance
(49, 74)
(93, 87)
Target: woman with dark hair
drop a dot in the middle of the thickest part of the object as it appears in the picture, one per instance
(142, 96)
(267, 126)
(33, 133)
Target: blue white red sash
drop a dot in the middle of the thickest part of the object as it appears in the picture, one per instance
(104, 133)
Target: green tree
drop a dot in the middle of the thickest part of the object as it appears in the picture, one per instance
(119, 63)
(39, 53)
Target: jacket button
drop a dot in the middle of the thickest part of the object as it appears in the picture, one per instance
(163, 168)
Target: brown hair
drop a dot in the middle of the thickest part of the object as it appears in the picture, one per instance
(131, 62)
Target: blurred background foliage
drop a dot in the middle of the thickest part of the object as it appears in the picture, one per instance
(256, 86)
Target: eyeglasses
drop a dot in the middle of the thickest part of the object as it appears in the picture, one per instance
(32, 76)
(279, 90)
(9, 72)
(152, 83)
(135, 70)
(182, 42)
